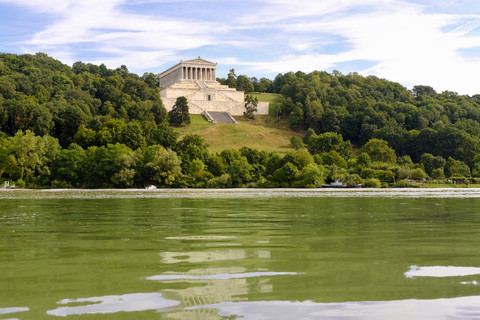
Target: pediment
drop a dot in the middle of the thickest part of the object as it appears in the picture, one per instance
(199, 61)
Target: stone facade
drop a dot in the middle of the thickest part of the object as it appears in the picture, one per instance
(196, 80)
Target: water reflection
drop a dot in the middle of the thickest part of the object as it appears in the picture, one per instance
(113, 304)
(215, 283)
(196, 257)
(222, 284)
(440, 271)
(456, 308)
(13, 310)
(221, 276)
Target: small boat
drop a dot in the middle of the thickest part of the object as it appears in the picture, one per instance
(151, 187)
(339, 184)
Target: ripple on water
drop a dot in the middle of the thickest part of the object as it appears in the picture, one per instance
(220, 276)
(441, 271)
(115, 303)
(455, 308)
(13, 310)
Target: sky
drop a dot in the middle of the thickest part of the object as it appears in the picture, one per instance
(413, 42)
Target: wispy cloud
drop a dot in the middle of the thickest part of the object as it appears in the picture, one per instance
(408, 41)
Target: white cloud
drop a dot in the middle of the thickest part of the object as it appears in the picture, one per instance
(410, 41)
(409, 45)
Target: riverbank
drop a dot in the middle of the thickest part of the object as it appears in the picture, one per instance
(240, 193)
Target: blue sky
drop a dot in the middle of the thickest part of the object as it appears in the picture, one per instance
(424, 42)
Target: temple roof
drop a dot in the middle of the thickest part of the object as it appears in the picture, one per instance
(198, 61)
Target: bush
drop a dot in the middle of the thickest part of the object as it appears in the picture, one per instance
(219, 182)
(404, 184)
(296, 142)
(19, 183)
(372, 183)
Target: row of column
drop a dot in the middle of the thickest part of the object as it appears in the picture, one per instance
(192, 73)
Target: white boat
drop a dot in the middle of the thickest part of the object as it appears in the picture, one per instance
(339, 184)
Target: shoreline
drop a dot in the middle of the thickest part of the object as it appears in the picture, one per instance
(240, 193)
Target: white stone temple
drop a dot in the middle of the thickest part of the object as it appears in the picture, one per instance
(196, 80)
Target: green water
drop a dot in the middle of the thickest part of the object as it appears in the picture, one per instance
(249, 254)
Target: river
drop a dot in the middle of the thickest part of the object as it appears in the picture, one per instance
(240, 254)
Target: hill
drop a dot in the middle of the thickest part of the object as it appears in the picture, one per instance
(262, 133)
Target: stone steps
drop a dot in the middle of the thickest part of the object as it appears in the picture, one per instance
(219, 117)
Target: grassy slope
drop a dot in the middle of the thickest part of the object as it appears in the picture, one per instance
(273, 99)
(262, 133)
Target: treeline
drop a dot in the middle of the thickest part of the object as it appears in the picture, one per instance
(39, 161)
(89, 126)
(362, 108)
(40, 94)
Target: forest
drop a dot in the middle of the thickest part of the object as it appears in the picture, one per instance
(87, 126)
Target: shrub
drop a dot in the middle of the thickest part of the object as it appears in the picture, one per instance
(372, 183)
(219, 182)
(296, 143)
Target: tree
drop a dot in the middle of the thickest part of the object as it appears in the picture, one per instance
(240, 171)
(456, 168)
(23, 156)
(299, 158)
(179, 115)
(244, 84)
(160, 166)
(286, 174)
(378, 150)
(251, 104)
(312, 176)
(329, 141)
(418, 174)
(231, 79)
(296, 142)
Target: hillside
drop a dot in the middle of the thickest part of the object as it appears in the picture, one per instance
(88, 126)
(261, 133)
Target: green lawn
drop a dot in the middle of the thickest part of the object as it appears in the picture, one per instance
(273, 99)
(262, 134)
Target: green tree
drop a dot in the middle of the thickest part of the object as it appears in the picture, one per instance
(456, 168)
(231, 79)
(239, 171)
(159, 166)
(23, 156)
(329, 141)
(286, 174)
(378, 150)
(251, 104)
(179, 114)
(296, 143)
(299, 158)
(418, 173)
(438, 174)
(67, 168)
(312, 176)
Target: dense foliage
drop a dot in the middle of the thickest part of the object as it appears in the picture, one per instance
(88, 126)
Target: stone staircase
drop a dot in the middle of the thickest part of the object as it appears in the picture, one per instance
(219, 117)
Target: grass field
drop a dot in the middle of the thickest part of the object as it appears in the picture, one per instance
(273, 99)
(263, 133)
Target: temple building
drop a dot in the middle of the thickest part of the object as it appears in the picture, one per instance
(196, 80)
